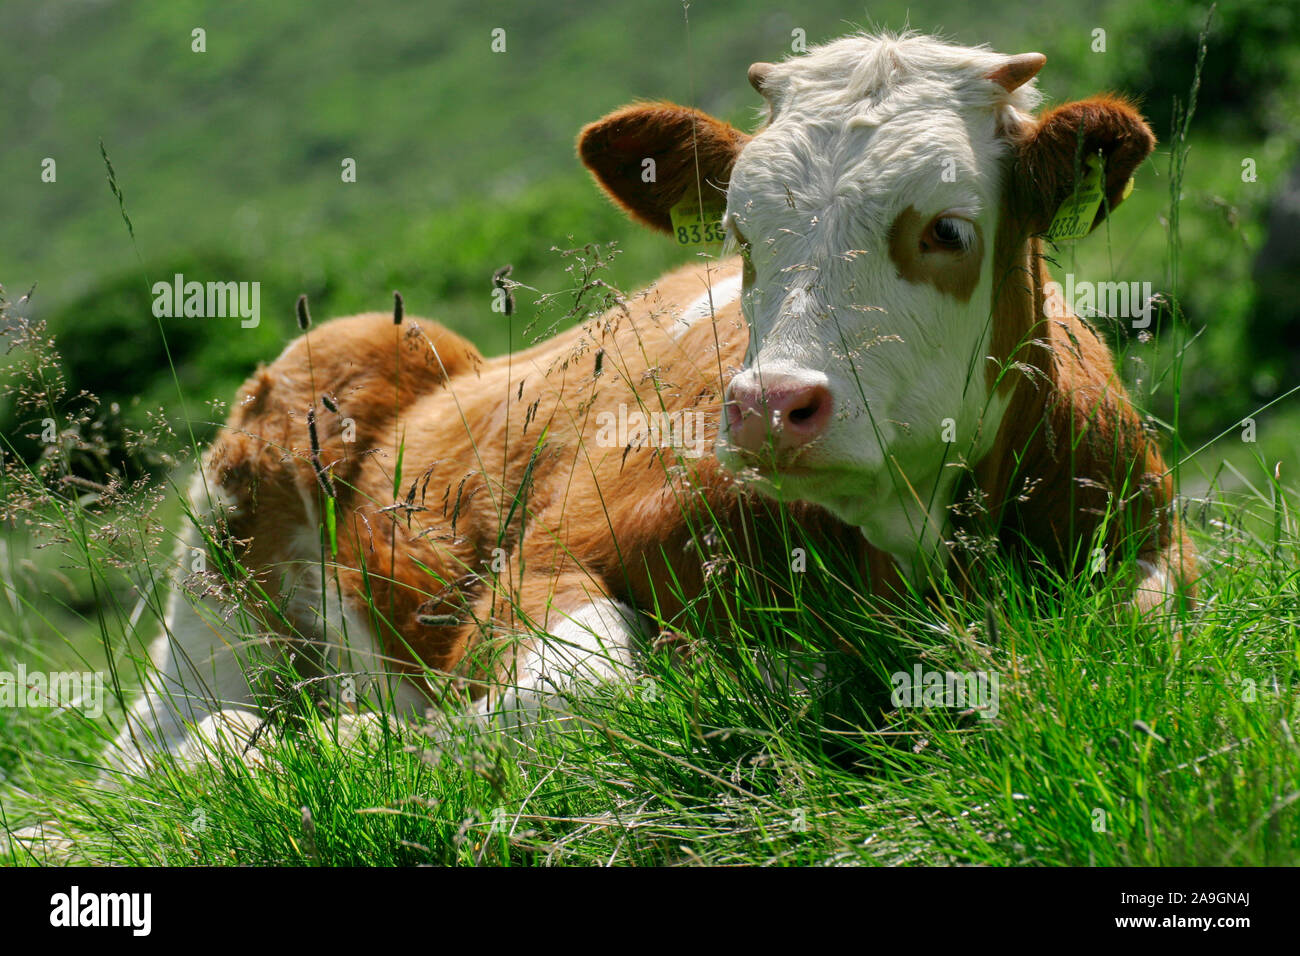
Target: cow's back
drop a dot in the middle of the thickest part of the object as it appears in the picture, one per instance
(590, 453)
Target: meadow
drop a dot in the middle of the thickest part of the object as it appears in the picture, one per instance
(1117, 740)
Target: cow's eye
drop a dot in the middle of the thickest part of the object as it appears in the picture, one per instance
(948, 233)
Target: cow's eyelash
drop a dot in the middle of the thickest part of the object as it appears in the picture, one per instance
(965, 233)
(964, 236)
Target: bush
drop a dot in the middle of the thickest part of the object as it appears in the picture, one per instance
(1251, 61)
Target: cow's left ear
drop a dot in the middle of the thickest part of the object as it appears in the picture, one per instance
(647, 156)
(1052, 154)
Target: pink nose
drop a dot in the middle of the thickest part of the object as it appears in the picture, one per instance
(783, 410)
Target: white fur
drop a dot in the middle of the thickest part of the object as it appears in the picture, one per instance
(723, 293)
(591, 645)
(348, 646)
(198, 663)
(861, 129)
(196, 693)
(1155, 588)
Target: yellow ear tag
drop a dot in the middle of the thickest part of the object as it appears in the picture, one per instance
(1074, 218)
(696, 226)
(1128, 189)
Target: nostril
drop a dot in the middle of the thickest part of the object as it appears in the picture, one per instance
(805, 412)
(735, 417)
(810, 410)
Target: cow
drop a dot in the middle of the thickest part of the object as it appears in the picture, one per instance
(873, 347)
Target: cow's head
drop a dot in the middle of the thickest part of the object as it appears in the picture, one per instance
(882, 213)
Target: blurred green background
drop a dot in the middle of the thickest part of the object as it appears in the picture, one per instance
(230, 159)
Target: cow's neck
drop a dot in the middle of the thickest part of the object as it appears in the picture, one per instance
(910, 520)
(1024, 368)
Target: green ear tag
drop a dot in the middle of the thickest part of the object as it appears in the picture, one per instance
(696, 226)
(1074, 218)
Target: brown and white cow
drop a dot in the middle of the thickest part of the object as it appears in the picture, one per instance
(881, 346)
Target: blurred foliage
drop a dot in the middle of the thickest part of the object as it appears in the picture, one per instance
(229, 162)
(1252, 71)
(1275, 321)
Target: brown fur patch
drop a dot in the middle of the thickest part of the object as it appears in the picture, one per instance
(952, 272)
(1072, 446)
(1014, 320)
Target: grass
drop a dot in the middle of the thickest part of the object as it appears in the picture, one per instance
(1117, 740)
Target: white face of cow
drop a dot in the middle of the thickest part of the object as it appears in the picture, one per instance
(866, 211)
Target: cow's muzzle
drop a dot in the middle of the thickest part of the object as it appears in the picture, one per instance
(776, 414)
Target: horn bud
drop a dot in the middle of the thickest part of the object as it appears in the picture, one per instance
(758, 73)
(1016, 71)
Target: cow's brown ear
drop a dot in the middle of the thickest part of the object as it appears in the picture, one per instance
(1052, 154)
(645, 157)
